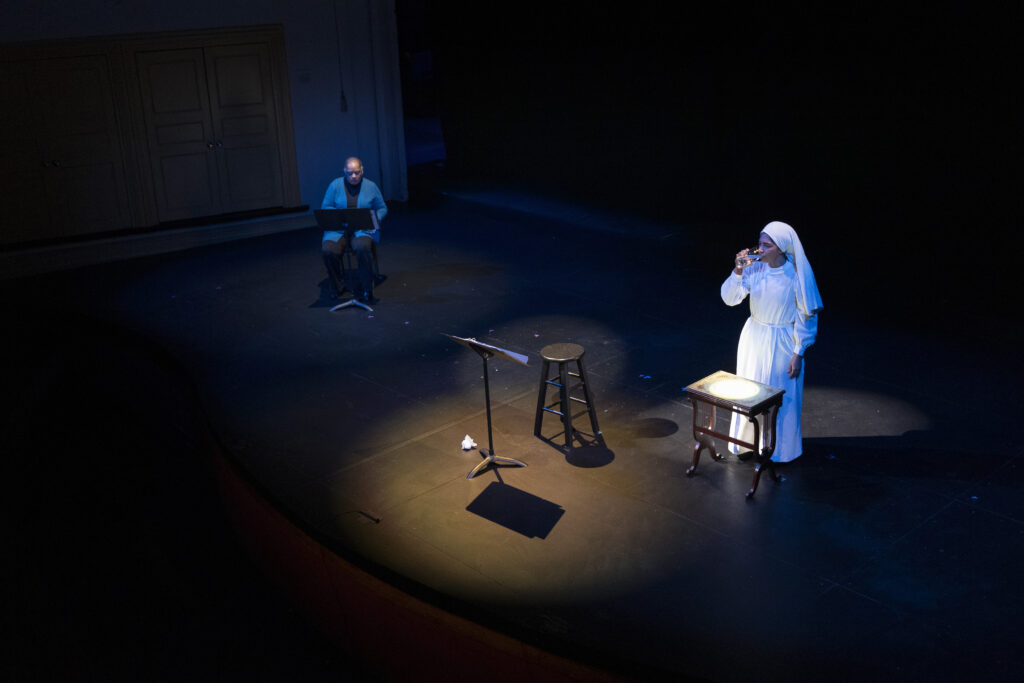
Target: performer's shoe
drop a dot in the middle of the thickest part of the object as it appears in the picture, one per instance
(744, 456)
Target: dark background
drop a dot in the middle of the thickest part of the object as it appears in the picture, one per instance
(886, 138)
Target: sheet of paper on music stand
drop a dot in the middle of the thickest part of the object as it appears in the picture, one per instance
(470, 342)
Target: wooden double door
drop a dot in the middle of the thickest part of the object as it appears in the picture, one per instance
(211, 129)
(62, 169)
(99, 136)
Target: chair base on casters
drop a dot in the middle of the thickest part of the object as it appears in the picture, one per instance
(340, 275)
(491, 459)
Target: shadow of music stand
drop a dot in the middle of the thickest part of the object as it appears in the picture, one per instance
(349, 222)
(486, 351)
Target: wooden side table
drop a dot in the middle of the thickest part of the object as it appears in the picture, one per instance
(736, 395)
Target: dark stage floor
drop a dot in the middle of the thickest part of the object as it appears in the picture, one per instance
(891, 551)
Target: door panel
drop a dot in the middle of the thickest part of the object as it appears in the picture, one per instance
(85, 201)
(188, 189)
(248, 182)
(180, 137)
(25, 215)
(81, 146)
(243, 108)
(61, 160)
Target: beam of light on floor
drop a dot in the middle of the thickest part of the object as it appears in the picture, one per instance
(841, 412)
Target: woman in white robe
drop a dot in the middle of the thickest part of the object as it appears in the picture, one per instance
(783, 323)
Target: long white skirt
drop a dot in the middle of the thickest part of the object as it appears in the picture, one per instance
(763, 356)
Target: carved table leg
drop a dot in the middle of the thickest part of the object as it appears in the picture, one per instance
(764, 458)
(711, 444)
(702, 441)
(697, 448)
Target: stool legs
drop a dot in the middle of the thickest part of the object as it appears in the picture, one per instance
(541, 397)
(563, 401)
(590, 404)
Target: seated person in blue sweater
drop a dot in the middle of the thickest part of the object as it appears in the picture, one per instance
(352, 192)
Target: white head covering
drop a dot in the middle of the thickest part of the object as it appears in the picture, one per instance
(786, 239)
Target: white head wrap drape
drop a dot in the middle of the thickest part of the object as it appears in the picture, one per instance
(786, 239)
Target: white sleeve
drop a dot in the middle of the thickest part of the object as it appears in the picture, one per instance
(734, 289)
(805, 330)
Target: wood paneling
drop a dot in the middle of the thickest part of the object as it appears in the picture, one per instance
(211, 129)
(63, 168)
(99, 136)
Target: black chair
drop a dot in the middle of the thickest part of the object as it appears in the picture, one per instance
(348, 222)
(348, 265)
(348, 279)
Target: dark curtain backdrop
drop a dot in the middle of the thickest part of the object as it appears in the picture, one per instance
(884, 138)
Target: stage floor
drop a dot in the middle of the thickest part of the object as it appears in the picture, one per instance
(890, 550)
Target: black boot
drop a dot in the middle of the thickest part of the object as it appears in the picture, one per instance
(365, 260)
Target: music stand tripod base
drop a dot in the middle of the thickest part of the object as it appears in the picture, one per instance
(351, 302)
(491, 459)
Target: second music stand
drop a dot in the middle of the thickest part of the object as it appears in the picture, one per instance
(486, 351)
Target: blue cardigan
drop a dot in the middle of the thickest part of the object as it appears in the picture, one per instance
(369, 198)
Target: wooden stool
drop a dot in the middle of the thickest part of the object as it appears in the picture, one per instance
(563, 354)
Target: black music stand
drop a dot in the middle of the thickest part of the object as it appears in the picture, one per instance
(486, 351)
(349, 222)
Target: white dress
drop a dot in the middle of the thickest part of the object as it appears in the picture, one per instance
(776, 329)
